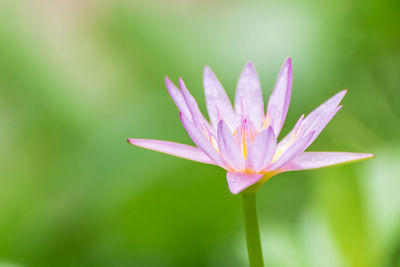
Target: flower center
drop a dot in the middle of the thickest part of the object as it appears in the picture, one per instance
(245, 135)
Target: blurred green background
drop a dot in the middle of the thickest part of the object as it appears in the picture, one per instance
(78, 77)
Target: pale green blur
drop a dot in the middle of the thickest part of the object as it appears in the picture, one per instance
(78, 77)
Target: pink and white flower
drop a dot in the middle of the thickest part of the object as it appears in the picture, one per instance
(243, 139)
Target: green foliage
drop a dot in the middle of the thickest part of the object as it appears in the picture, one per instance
(79, 77)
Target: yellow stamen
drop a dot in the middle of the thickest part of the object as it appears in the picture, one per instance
(244, 145)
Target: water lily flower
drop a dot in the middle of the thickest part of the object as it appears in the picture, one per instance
(244, 139)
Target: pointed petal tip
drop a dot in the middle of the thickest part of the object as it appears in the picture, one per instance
(336, 98)
(368, 156)
(279, 100)
(182, 85)
(183, 118)
(340, 95)
(175, 149)
(357, 156)
(288, 61)
(208, 74)
(134, 141)
(315, 160)
(248, 97)
(168, 83)
(207, 70)
(171, 87)
(249, 65)
(270, 130)
(287, 65)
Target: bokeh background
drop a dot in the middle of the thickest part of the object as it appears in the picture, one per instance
(78, 77)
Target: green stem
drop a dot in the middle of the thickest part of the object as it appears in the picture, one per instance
(252, 231)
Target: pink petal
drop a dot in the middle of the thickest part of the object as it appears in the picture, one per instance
(229, 148)
(294, 150)
(218, 105)
(317, 120)
(321, 116)
(298, 123)
(249, 100)
(177, 97)
(262, 150)
(279, 100)
(200, 140)
(238, 181)
(328, 106)
(191, 103)
(324, 120)
(175, 149)
(313, 160)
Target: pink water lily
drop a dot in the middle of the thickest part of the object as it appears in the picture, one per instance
(243, 139)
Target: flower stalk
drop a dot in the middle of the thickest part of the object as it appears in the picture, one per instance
(252, 230)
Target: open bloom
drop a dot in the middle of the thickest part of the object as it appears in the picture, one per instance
(243, 139)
